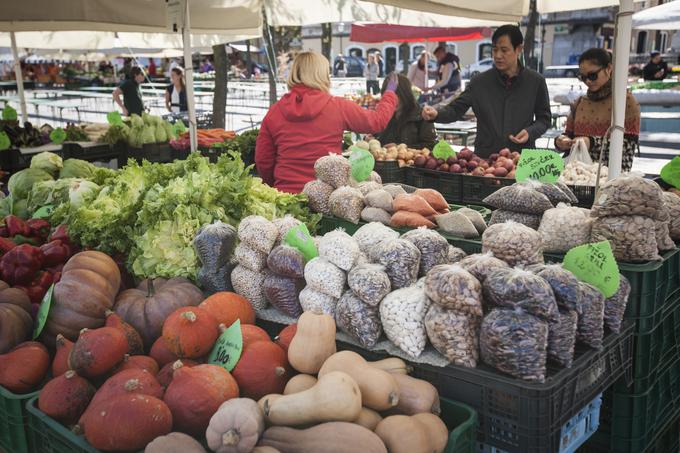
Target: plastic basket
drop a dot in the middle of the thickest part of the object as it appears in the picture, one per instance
(97, 152)
(448, 184)
(574, 433)
(476, 188)
(390, 172)
(517, 416)
(13, 420)
(462, 421)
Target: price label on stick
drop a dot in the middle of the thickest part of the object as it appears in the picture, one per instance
(228, 347)
(539, 164)
(362, 163)
(4, 141)
(442, 150)
(594, 264)
(41, 317)
(114, 117)
(58, 136)
(9, 114)
(670, 173)
(44, 212)
(300, 238)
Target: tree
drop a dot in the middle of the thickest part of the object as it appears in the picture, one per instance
(530, 37)
(271, 58)
(326, 40)
(220, 96)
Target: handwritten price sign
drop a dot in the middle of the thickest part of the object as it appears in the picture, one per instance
(228, 347)
(595, 264)
(539, 164)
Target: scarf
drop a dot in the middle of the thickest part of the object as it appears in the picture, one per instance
(602, 93)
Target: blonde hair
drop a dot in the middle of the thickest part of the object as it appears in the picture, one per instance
(310, 69)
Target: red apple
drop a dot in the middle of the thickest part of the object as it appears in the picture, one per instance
(509, 165)
(456, 168)
(489, 175)
(443, 167)
(452, 160)
(472, 165)
(462, 162)
(478, 172)
(500, 172)
(515, 154)
(431, 163)
(440, 161)
(505, 152)
(420, 161)
(493, 157)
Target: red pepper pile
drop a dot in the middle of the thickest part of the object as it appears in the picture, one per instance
(32, 259)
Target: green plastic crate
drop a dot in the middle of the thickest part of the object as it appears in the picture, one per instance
(13, 418)
(462, 421)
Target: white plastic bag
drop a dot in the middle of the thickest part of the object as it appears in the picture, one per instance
(579, 152)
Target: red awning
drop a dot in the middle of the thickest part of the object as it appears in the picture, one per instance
(407, 33)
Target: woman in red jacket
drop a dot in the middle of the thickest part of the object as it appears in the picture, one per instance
(308, 123)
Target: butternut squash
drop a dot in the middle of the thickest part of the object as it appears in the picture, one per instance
(333, 437)
(437, 432)
(335, 397)
(174, 443)
(264, 449)
(393, 365)
(404, 434)
(299, 383)
(368, 418)
(313, 342)
(416, 396)
(379, 389)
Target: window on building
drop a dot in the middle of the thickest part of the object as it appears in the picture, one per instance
(355, 51)
(662, 42)
(390, 57)
(416, 50)
(483, 50)
(641, 42)
(452, 47)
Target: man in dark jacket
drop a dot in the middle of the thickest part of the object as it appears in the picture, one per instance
(656, 69)
(511, 102)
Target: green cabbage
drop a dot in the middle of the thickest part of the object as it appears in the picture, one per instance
(20, 209)
(148, 135)
(136, 120)
(41, 195)
(76, 168)
(81, 190)
(169, 131)
(160, 135)
(21, 182)
(181, 128)
(49, 162)
(135, 137)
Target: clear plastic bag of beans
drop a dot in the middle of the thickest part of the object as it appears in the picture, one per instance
(249, 257)
(518, 288)
(434, 249)
(519, 198)
(454, 335)
(250, 284)
(318, 196)
(284, 294)
(501, 216)
(615, 306)
(562, 338)
(591, 321)
(347, 203)
(358, 319)
(515, 343)
(372, 234)
(401, 260)
(333, 169)
(480, 265)
(284, 224)
(452, 287)
(259, 233)
(317, 302)
(286, 261)
(514, 243)
(632, 237)
(370, 283)
(564, 284)
(339, 248)
(455, 254)
(325, 277)
(629, 195)
(402, 313)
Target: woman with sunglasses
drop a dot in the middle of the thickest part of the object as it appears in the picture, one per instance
(591, 114)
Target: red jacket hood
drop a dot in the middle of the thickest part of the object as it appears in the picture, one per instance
(303, 103)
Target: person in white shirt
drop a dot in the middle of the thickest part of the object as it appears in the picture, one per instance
(371, 72)
(417, 72)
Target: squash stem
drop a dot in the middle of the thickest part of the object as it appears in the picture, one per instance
(231, 438)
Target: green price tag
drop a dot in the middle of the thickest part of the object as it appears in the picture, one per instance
(539, 164)
(442, 150)
(44, 310)
(594, 264)
(114, 117)
(670, 173)
(44, 212)
(228, 347)
(9, 114)
(4, 141)
(58, 136)
(300, 238)
(362, 163)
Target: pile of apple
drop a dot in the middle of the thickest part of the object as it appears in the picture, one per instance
(501, 164)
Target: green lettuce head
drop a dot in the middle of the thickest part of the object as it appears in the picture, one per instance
(49, 162)
(40, 195)
(76, 168)
(21, 183)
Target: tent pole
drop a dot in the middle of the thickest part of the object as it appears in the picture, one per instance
(189, 76)
(624, 21)
(19, 77)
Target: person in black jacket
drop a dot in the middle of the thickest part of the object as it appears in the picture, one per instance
(407, 125)
(511, 102)
(656, 69)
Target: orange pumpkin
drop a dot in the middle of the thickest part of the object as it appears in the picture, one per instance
(227, 307)
(98, 351)
(190, 332)
(16, 323)
(139, 362)
(23, 368)
(165, 375)
(262, 369)
(286, 336)
(133, 338)
(60, 362)
(66, 397)
(196, 393)
(161, 354)
(252, 333)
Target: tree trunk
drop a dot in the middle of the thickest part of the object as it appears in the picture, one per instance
(220, 96)
(249, 60)
(529, 37)
(271, 58)
(326, 40)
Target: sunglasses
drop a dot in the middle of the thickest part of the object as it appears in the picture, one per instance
(592, 76)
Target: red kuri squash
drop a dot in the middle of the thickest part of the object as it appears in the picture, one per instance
(141, 362)
(66, 397)
(60, 362)
(190, 332)
(23, 368)
(262, 369)
(252, 333)
(227, 307)
(97, 351)
(136, 346)
(286, 336)
(165, 374)
(161, 354)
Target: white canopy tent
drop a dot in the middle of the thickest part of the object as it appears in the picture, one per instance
(663, 17)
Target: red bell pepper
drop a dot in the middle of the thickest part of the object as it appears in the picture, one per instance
(20, 265)
(55, 252)
(34, 293)
(15, 226)
(56, 277)
(4, 233)
(61, 233)
(19, 239)
(6, 245)
(39, 228)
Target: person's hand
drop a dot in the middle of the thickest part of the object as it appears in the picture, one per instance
(426, 89)
(586, 141)
(521, 138)
(125, 112)
(429, 113)
(392, 82)
(659, 74)
(563, 142)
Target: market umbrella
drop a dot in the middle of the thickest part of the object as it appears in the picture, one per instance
(663, 17)
(405, 33)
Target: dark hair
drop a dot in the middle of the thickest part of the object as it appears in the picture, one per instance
(180, 73)
(511, 31)
(407, 101)
(439, 49)
(597, 56)
(655, 53)
(135, 71)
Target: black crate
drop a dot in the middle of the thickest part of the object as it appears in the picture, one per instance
(91, 152)
(153, 152)
(476, 188)
(204, 120)
(390, 172)
(12, 160)
(585, 195)
(448, 184)
(517, 416)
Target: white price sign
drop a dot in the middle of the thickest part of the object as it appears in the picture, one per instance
(175, 14)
